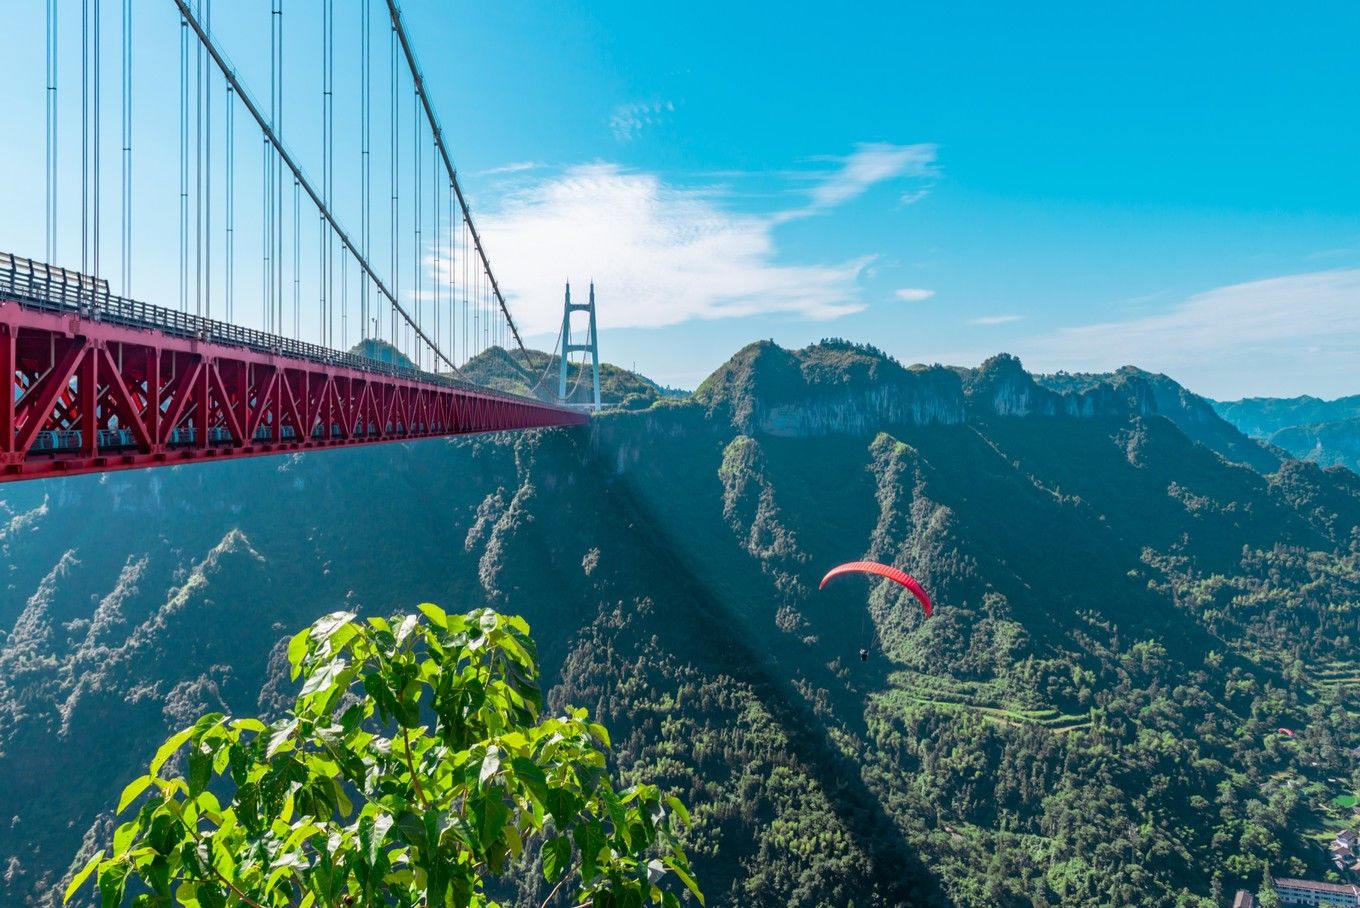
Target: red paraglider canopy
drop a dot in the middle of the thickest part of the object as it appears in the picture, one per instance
(882, 570)
(1285, 731)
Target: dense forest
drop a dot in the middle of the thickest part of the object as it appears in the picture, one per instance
(1131, 599)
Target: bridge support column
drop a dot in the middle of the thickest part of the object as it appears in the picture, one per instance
(87, 391)
(152, 417)
(591, 346)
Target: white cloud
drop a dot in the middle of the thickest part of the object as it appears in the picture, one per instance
(512, 167)
(995, 319)
(914, 294)
(869, 164)
(873, 163)
(1284, 335)
(660, 254)
(630, 119)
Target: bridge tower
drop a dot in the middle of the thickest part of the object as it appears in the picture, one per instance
(591, 345)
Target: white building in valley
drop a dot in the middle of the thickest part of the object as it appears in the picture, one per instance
(1311, 892)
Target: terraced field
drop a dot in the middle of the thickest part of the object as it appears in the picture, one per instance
(913, 689)
(1341, 671)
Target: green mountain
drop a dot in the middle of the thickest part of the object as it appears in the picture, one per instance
(382, 351)
(1326, 432)
(1124, 617)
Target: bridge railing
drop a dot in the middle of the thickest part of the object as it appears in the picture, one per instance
(37, 285)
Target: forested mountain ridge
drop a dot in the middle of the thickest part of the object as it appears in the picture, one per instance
(1124, 617)
(1199, 418)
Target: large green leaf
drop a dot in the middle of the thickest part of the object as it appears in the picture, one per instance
(82, 875)
(112, 881)
(132, 791)
(328, 625)
(324, 677)
(172, 744)
(491, 764)
(438, 617)
(200, 770)
(297, 650)
(556, 854)
(685, 877)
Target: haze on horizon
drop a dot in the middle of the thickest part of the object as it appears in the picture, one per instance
(1083, 187)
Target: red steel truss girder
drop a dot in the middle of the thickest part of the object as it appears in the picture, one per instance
(88, 396)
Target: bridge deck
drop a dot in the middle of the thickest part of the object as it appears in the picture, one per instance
(104, 383)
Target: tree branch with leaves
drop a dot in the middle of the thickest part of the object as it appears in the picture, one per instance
(414, 765)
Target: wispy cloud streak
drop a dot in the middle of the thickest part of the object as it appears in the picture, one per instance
(1281, 335)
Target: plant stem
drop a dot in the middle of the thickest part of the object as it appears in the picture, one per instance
(226, 882)
(410, 764)
(559, 885)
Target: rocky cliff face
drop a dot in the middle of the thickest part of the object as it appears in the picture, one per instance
(833, 388)
(839, 388)
(1001, 386)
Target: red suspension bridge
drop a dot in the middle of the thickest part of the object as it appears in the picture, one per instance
(102, 381)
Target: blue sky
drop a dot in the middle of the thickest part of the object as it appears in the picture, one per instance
(1085, 185)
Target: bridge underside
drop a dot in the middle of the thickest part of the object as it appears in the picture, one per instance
(92, 396)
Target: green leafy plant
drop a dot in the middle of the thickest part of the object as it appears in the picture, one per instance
(414, 765)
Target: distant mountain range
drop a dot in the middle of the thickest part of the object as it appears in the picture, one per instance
(1131, 597)
(535, 373)
(1326, 432)
(538, 374)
